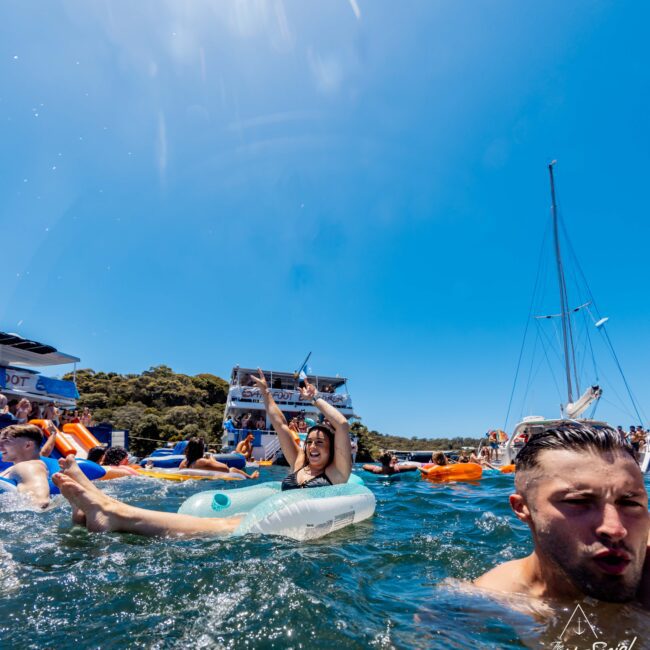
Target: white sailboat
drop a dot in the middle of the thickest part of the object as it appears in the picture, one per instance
(577, 402)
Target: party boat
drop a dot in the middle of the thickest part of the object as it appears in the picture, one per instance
(245, 404)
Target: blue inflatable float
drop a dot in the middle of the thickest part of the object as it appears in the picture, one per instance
(160, 458)
(92, 470)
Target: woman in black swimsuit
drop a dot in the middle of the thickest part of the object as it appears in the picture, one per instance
(326, 458)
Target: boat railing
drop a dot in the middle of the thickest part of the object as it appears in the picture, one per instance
(271, 448)
(282, 396)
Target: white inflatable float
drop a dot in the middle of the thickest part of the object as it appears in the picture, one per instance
(174, 474)
(298, 514)
(7, 485)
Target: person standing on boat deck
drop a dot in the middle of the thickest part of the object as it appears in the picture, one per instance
(5, 414)
(23, 410)
(494, 444)
(20, 445)
(581, 493)
(245, 447)
(325, 461)
(51, 413)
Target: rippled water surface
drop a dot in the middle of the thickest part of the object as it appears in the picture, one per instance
(383, 583)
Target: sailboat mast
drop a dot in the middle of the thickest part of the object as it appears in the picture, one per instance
(564, 304)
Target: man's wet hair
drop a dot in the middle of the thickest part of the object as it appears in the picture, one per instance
(115, 455)
(96, 453)
(30, 431)
(573, 437)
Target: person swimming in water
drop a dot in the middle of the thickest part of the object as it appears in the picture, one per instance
(389, 466)
(581, 493)
(20, 445)
(325, 460)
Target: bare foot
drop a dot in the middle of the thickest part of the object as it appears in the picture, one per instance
(70, 468)
(255, 474)
(90, 507)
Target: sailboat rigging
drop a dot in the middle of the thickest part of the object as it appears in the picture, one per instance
(575, 402)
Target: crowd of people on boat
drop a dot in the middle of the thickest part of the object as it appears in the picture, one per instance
(248, 422)
(22, 410)
(635, 436)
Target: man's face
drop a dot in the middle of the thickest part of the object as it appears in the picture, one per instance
(13, 449)
(589, 518)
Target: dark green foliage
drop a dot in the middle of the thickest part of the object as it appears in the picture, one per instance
(371, 443)
(215, 388)
(157, 406)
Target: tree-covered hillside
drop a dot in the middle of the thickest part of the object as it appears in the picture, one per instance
(157, 406)
(160, 406)
(372, 442)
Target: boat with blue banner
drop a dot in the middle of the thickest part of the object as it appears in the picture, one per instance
(21, 361)
(18, 381)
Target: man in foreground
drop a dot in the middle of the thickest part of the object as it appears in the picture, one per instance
(20, 445)
(581, 493)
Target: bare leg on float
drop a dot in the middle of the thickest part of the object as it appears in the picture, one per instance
(103, 513)
(234, 470)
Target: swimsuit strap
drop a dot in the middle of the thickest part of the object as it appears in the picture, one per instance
(290, 482)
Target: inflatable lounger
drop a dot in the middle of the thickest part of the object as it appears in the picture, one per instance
(455, 472)
(238, 461)
(298, 514)
(171, 474)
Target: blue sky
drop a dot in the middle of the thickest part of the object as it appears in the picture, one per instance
(202, 184)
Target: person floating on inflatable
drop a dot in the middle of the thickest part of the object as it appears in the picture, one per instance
(195, 459)
(20, 445)
(325, 460)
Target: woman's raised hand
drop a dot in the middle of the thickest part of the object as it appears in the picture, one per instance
(260, 382)
(308, 391)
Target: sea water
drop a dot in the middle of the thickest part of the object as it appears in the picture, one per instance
(394, 581)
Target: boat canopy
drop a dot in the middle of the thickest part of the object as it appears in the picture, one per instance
(15, 350)
(17, 381)
(284, 380)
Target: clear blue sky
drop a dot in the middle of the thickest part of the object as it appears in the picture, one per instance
(201, 184)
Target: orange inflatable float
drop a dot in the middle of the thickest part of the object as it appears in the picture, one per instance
(455, 472)
(507, 469)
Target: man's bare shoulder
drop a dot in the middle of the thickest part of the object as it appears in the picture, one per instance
(509, 577)
(29, 468)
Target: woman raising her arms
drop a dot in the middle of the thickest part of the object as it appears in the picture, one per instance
(326, 460)
(327, 455)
